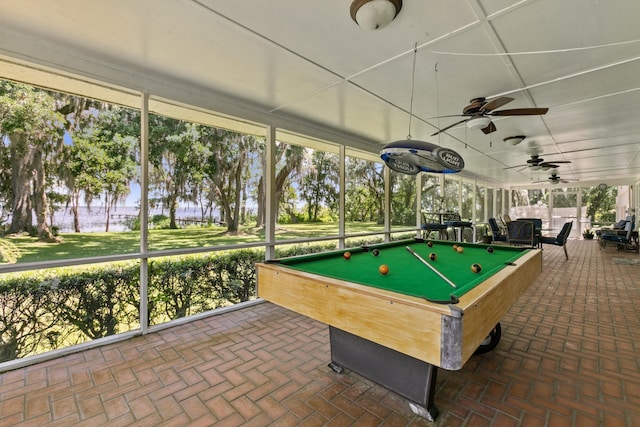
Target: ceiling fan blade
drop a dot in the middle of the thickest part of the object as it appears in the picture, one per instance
(495, 103)
(520, 112)
(449, 127)
(490, 128)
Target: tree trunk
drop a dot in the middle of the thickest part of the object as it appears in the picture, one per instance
(75, 202)
(21, 175)
(243, 208)
(107, 210)
(173, 207)
(238, 191)
(260, 214)
(40, 202)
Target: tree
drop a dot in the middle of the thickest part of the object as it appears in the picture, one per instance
(85, 118)
(319, 185)
(364, 192)
(403, 199)
(33, 128)
(176, 152)
(601, 203)
(289, 160)
(225, 168)
(101, 162)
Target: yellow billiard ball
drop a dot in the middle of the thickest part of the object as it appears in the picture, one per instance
(383, 269)
(460, 249)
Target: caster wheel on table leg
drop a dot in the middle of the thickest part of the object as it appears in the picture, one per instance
(491, 341)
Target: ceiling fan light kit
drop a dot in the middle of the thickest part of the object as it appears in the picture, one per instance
(374, 14)
(514, 140)
(478, 122)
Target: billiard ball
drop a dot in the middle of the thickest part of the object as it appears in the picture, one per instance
(383, 269)
(430, 244)
(476, 268)
(490, 249)
(460, 249)
(433, 256)
(347, 255)
(375, 252)
(455, 247)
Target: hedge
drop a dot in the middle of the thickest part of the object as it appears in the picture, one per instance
(48, 309)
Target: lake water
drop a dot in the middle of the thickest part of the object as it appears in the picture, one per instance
(95, 218)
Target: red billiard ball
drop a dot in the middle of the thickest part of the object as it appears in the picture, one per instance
(476, 268)
(375, 252)
(383, 269)
(347, 255)
(460, 249)
(433, 256)
(430, 244)
(490, 249)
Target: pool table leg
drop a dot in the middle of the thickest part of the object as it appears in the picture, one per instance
(403, 374)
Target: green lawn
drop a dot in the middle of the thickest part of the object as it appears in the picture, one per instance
(83, 245)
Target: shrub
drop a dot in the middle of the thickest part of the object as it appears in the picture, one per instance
(45, 310)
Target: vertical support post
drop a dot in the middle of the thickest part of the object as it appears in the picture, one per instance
(387, 203)
(419, 204)
(270, 194)
(144, 213)
(341, 196)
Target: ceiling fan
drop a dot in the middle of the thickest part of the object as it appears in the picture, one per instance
(537, 163)
(555, 179)
(479, 112)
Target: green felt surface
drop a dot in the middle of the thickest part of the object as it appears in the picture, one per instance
(407, 274)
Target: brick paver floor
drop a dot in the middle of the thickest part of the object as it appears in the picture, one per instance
(569, 356)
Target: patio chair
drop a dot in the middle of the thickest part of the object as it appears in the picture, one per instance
(625, 240)
(560, 239)
(495, 231)
(521, 233)
(619, 226)
(537, 228)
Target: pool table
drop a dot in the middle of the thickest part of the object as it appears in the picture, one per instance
(398, 328)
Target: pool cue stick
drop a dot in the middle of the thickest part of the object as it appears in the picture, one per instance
(430, 266)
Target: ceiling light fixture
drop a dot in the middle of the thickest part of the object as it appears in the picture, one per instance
(374, 14)
(514, 140)
(478, 122)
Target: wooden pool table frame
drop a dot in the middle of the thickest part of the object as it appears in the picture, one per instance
(439, 335)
